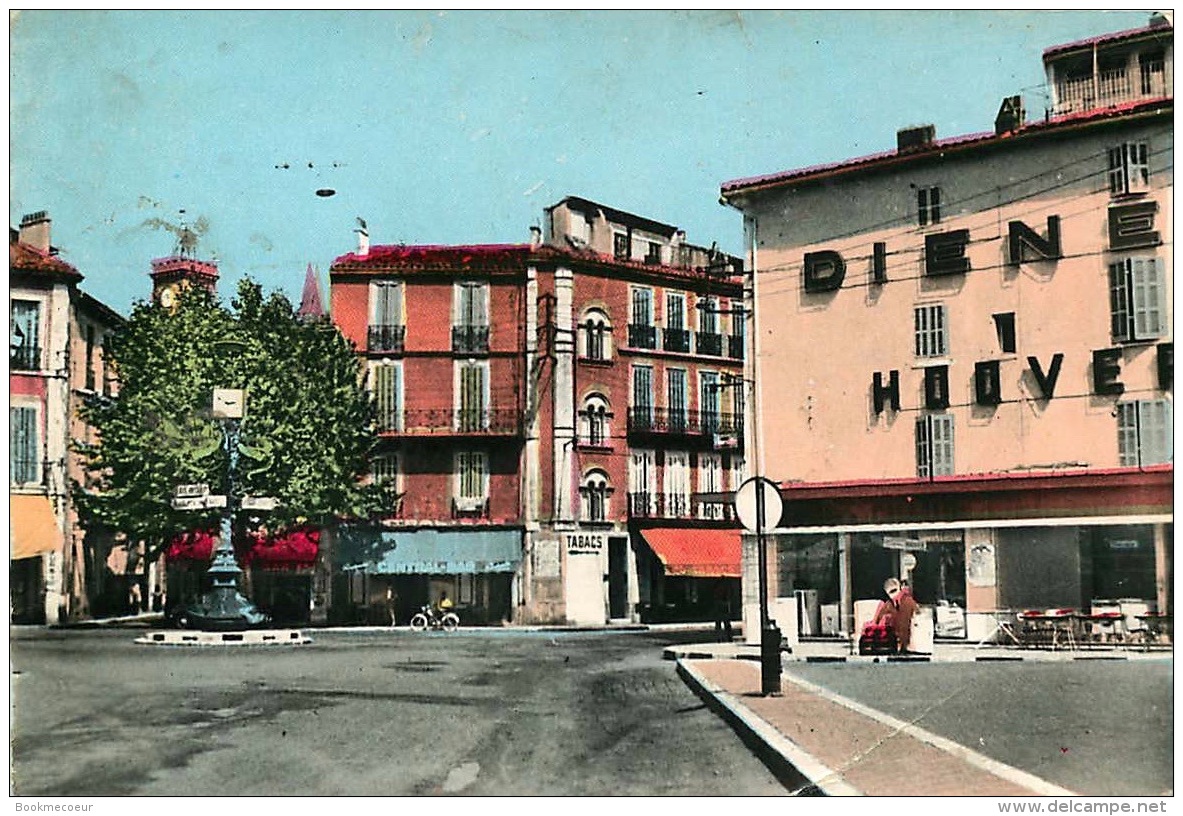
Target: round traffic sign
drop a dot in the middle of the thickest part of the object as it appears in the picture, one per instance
(746, 504)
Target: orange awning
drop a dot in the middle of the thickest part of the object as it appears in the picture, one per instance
(32, 527)
(696, 553)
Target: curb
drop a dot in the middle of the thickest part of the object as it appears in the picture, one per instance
(799, 771)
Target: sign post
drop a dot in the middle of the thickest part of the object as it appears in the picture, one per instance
(756, 501)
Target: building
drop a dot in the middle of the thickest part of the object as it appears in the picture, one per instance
(540, 407)
(57, 572)
(965, 355)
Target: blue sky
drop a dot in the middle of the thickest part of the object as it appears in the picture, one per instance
(460, 127)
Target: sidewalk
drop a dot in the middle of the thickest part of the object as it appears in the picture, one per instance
(858, 752)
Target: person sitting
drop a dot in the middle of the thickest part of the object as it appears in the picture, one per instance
(445, 603)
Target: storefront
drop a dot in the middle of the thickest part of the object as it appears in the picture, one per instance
(36, 547)
(686, 574)
(380, 571)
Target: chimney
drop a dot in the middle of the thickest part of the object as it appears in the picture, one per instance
(363, 238)
(915, 138)
(1159, 18)
(1011, 115)
(535, 237)
(35, 230)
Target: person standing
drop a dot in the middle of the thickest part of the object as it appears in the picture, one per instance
(723, 632)
(391, 602)
(897, 611)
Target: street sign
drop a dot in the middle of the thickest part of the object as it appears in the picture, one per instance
(190, 490)
(745, 504)
(229, 403)
(897, 543)
(259, 502)
(198, 502)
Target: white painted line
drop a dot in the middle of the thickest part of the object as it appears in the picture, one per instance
(999, 769)
(826, 780)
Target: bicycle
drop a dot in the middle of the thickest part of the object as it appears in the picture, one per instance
(428, 616)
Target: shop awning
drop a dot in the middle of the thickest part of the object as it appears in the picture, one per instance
(696, 553)
(433, 552)
(32, 527)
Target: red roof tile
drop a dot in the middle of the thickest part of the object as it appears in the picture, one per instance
(25, 258)
(1166, 29)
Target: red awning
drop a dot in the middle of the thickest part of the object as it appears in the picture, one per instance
(696, 553)
(293, 549)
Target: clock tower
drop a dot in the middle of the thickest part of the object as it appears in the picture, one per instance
(181, 270)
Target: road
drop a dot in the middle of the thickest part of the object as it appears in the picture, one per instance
(1097, 727)
(487, 713)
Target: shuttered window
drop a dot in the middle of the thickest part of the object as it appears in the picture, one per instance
(1137, 293)
(708, 400)
(643, 391)
(934, 446)
(472, 304)
(24, 446)
(928, 205)
(677, 484)
(931, 330)
(472, 475)
(472, 410)
(1129, 168)
(676, 398)
(386, 299)
(386, 382)
(1144, 433)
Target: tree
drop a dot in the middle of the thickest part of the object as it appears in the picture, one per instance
(305, 439)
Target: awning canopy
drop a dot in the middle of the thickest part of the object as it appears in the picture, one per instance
(290, 549)
(431, 552)
(696, 553)
(32, 527)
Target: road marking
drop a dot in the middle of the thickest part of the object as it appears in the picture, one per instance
(999, 769)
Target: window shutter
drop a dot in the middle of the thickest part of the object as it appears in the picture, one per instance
(1116, 170)
(1127, 434)
(386, 397)
(1147, 283)
(922, 206)
(1119, 301)
(923, 447)
(934, 204)
(26, 465)
(1154, 425)
(942, 445)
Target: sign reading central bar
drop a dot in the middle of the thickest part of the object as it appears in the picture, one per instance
(445, 552)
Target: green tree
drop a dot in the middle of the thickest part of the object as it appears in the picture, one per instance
(305, 439)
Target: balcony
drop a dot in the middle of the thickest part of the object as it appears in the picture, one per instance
(709, 343)
(470, 339)
(676, 340)
(1112, 87)
(682, 422)
(451, 422)
(387, 338)
(735, 346)
(642, 336)
(662, 505)
(25, 358)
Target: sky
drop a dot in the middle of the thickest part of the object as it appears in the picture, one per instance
(460, 127)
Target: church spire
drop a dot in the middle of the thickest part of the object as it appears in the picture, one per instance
(310, 304)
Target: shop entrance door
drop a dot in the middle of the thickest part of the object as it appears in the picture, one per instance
(617, 577)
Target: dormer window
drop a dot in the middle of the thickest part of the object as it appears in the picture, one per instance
(621, 246)
(928, 205)
(1129, 168)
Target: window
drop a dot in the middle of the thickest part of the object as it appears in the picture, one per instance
(676, 336)
(387, 327)
(1129, 168)
(1152, 65)
(676, 399)
(25, 336)
(470, 322)
(641, 332)
(472, 480)
(1144, 433)
(677, 484)
(472, 396)
(709, 341)
(931, 331)
(621, 246)
(653, 256)
(386, 386)
(735, 342)
(934, 446)
(642, 401)
(597, 336)
(90, 372)
(594, 421)
(708, 400)
(580, 228)
(593, 496)
(710, 480)
(1136, 295)
(24, 446)
(642, 482)
(738, 471)
(385, 471)
(928, 205)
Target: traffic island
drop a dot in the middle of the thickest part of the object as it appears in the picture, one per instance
(250, 637)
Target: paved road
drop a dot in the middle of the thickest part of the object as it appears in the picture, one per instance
(1094, 727)
(491, 713)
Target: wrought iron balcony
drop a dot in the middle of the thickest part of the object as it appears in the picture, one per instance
(709, 343)
(675, 421)
(452, 422)
(387, 338)
(662, 505)
(735, 347)
(676, 340)
(25, 358)
(642, 336)
(470, 339)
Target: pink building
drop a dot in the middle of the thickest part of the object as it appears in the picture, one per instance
(965, 355)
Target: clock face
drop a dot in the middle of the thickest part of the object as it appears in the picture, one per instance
(168, 298)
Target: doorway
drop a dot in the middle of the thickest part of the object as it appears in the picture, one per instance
(617, 577)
